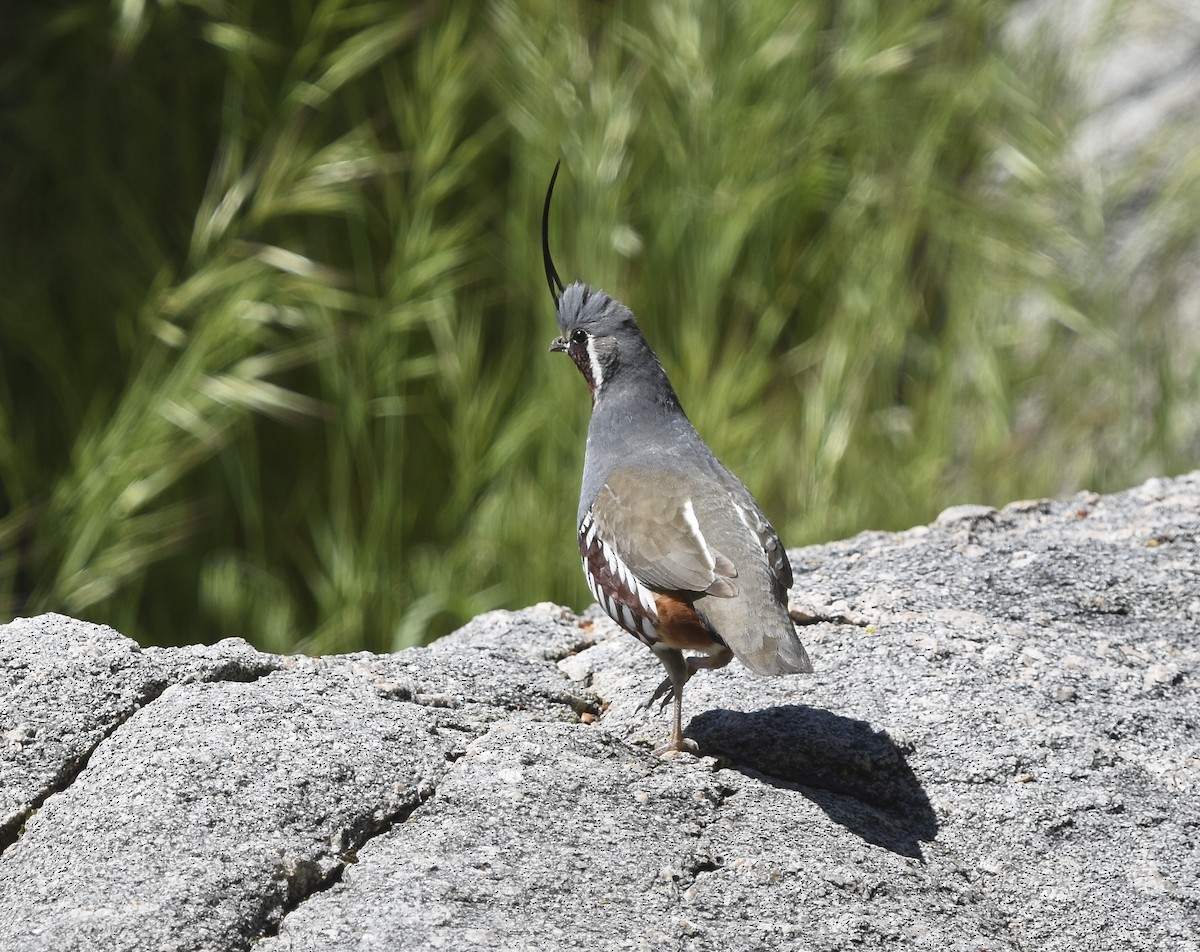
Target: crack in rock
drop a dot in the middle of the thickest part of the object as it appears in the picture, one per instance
(808, 615)
(303, 879)
(702, 860)
(70, 769)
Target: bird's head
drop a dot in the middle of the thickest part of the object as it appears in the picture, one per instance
(598, 332)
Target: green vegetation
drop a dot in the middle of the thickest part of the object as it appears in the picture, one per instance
(273, 324)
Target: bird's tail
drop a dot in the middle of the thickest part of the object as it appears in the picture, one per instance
(762, 637)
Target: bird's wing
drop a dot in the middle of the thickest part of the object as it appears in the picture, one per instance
(747, 510)
(656, 529)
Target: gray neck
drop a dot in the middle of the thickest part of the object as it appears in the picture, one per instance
(636, 419)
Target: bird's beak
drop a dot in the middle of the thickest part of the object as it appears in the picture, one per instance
(558, 345)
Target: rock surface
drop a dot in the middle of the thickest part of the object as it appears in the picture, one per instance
(999, 751)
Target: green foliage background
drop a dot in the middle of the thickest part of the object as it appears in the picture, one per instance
(273, 324)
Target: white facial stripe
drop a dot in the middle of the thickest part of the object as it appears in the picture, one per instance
(689, 516)
(597, 372)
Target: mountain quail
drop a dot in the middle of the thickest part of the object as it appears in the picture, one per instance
(674, 547)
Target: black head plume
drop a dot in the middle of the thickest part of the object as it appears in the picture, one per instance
(552, 278)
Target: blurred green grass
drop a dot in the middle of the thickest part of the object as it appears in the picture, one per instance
(273, 326)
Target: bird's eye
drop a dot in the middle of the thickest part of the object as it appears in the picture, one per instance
(579, 337)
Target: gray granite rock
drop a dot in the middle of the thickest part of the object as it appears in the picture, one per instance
(188, 798)
(998, 751)
(68, 685)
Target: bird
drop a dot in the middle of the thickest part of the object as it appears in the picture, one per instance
(674, 547)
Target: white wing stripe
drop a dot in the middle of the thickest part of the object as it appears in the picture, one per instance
(741, 511)
(689, 516)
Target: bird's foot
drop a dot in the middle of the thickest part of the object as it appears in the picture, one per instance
(661, 693)
(673, 747)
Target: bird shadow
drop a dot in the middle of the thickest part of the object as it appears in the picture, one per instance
(859, 776)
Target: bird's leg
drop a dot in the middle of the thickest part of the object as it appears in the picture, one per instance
(678, 673)
(716, 659)
(694, 663)
(677, 741)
